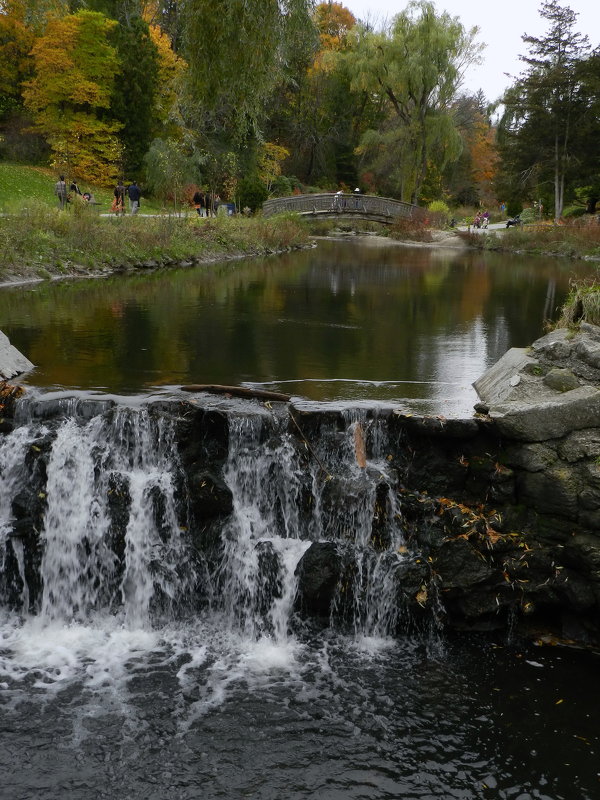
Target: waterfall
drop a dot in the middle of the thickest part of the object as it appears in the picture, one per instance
(263, 541)
(111, 538)
(108, 492)
(351, 501)
(364, 513)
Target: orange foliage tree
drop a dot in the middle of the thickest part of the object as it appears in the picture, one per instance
(484, 158)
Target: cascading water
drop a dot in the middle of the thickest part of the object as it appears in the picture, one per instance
(263, 541)
(85, 567)
(114, 535)
(350, 501)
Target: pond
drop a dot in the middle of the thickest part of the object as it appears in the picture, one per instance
(349, 320)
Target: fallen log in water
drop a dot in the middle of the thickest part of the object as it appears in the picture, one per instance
(237, 391)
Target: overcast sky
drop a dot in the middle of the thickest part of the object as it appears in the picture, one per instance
(501, 25)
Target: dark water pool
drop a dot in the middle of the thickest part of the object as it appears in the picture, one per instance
(345, 321)
(194, 715)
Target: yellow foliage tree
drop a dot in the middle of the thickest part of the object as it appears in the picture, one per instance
(15, 64)
(270, 161)
(70, 95)
(171, 69)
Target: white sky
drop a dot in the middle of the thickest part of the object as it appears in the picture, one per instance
(501, 25)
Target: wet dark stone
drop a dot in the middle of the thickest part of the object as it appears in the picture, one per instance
(203, 437)
(270, 583)
(460, 565)
(118, 500)
(553, 492)
(439, 427)
(318, 573)
(209, 495)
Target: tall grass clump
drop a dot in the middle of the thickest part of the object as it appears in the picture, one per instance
(412, 230)
(582, 304)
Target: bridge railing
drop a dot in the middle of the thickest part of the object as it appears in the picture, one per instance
(347, 203)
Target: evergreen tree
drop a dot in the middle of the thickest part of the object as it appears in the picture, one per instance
(136, 80)
(136, 85)
(543, 109)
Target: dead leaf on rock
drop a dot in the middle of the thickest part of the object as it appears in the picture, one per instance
(421, 596)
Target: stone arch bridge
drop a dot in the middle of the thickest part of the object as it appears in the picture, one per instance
(345, 205)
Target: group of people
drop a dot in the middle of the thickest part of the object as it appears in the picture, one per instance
(73, 193)
(133, 192)
(481, 220)
(66, 195)
(340, 203)
(205, 204)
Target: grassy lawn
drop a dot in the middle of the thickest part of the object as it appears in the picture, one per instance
(19, 184)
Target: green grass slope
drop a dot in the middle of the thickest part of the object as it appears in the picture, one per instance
(20, 184)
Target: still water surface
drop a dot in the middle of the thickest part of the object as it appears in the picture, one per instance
(348, 320)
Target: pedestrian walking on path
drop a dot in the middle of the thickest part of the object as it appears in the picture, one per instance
(134, 193)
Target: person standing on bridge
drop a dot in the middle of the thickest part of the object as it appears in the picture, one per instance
(356, 194)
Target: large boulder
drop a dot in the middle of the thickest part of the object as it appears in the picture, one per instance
(11, 361)
(546, 391)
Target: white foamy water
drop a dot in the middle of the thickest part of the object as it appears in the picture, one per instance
(106, 610)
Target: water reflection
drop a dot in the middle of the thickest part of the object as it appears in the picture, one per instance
(346, 320)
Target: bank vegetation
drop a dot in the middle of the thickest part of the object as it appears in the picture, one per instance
(40, 242)
(575, 240)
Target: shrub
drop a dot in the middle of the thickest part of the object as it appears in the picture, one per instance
(440, 213)
(528, 215)
(572, 212)
(251, 192)
(410, 229)
(281, 186)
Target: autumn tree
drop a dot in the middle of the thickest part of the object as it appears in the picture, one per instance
(70, 95)
(317, 116)
(171, 71)
(35, 14)
(16, 65)
(415, 69)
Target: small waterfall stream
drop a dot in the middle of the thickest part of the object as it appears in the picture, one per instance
(114, 531)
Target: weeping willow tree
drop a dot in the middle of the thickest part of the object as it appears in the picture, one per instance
(238, 52)
(414, 69)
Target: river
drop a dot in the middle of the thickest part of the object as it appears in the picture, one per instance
(132, 670)
(350, 320)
